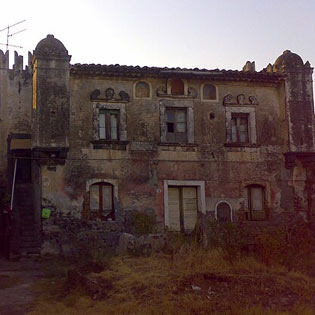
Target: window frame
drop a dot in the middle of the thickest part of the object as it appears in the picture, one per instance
(249, 215)
(239, 110)
(108, 113)
(122, 122)
(184, 104)
(111, 215)
(238, 117)
(177, 134)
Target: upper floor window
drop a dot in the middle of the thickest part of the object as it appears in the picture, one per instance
(240, 119)
(239, 128)
(109, 124)
(142, 90)
(255, 203)
(176, 124)
(102, 201)
(177, 87)
(209, 92)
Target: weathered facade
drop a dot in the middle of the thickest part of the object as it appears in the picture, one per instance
(95, 142)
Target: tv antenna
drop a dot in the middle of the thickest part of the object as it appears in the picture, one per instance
(9, 34)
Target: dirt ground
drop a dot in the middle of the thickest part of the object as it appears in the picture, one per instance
(16, 279)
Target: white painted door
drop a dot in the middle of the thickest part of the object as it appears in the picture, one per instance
(189, 207)
(174, 208)
(182, 208)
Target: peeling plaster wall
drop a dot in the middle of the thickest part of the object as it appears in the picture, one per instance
(141, 168)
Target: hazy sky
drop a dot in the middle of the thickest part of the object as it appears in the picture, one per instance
(209, 34)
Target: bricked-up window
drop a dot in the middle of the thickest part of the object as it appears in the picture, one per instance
(142, 90)
(209, 92)
(223, 212)
(109, 125)
(102, 201)
(176, 125)
(239, 128)
(177, 87)
(255, 203)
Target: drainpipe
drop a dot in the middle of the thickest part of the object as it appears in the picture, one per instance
(13, 183)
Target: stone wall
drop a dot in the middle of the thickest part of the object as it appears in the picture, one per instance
(15, 103)
(140, 167)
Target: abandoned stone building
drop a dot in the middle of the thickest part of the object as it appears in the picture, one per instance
(90, 143)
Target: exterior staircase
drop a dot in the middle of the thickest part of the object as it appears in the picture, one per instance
(29, 237)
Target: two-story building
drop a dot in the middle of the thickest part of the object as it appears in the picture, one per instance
(93, 142)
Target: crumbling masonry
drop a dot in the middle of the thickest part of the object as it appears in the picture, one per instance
(91, 143)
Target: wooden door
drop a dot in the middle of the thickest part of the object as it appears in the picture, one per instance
(182, 208)
(189, 204)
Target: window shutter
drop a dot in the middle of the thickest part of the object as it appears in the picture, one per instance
(174, 208)
(102, 128)
(190, 206)
(257, 203)
(94, 198)
(107, 191)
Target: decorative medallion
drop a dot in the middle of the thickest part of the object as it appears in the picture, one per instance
(239, 100)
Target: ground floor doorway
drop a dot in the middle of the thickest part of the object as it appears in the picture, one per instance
(182, 201)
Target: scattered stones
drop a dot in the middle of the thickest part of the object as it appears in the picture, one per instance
(143, 245)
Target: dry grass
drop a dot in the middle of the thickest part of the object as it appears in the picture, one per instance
(189, 281)
(8, 281)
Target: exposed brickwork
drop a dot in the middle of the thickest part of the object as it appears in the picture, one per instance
(88, 126)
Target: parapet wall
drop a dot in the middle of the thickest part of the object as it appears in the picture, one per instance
(18, 61)
(15, 101)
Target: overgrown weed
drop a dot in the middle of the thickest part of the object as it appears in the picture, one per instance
(226, 278)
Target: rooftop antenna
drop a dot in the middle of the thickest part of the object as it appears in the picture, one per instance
(12, 34)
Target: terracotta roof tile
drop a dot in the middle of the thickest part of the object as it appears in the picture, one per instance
(164, 72)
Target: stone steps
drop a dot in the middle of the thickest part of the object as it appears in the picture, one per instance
(29, 240)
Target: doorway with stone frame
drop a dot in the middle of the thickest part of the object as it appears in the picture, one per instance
(182, 202)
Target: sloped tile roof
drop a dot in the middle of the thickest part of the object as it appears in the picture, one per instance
(164, 72)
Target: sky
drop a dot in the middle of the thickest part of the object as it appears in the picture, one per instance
(208, 34)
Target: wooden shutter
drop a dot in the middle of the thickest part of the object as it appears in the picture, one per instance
(107, 194)
(174, 208)
(257, 203)
(190, 206)
(102, 127)
(243, 127)
(94, 198)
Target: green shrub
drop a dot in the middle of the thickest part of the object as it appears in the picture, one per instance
(229, 238)
(291, 243)
(139, 223)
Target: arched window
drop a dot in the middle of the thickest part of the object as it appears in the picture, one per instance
(177, 87)
(142, 90)
(255, 203)
(223, 212)
(209, 92)
(102, 201)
